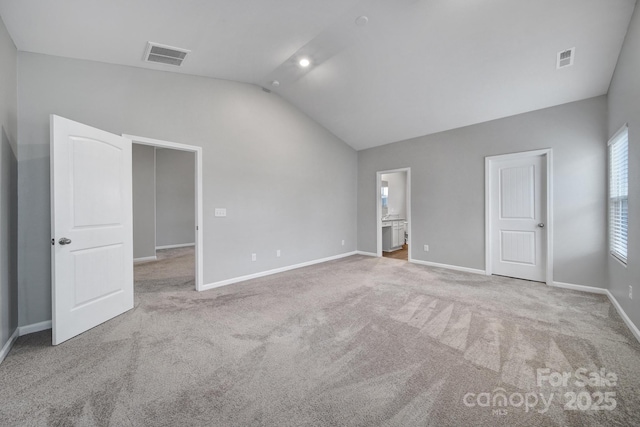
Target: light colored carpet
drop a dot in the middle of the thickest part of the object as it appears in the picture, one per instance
(174, 269)
(358, 341)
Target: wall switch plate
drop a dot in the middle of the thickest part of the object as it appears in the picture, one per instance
(343, 243)
(253, 257)
(426, 248)
(278, 253)
(630, 292)
(220, 212)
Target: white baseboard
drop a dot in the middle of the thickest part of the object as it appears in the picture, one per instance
(145, 259)
(6, 348)
(20, 331)
(634, 329)
(274, 271)
(366, 253)
(181, 245)
(35, 327)
(582, 288)
(448, 267)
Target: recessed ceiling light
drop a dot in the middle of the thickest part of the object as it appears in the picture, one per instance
(275, 83)
(304, 62)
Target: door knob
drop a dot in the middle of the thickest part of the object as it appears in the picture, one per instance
(541, 225)
(64, 241)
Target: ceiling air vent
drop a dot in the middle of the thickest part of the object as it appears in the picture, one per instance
(565, 58)
(165, 54)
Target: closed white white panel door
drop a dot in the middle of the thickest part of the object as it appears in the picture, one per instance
(518, 226)
(91, 221)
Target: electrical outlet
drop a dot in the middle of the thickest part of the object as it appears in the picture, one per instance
(220, 212)
(343, 243)
(630, 292)
(426, 248)
(278, 253)
(253, 257)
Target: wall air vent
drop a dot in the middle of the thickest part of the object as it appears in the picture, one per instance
(565, 58)
(165, 54)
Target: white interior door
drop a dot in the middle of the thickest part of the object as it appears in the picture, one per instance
(518, 217)
(91, 222)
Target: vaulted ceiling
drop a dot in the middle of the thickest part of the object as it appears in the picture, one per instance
(415, 67)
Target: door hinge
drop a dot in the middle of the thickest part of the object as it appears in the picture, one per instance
(53, 242)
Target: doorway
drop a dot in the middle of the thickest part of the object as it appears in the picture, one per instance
(91, 224)
(393, 213)
(519, 228)
(168, 232)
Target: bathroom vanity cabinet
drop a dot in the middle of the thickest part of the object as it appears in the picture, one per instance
(392, 235)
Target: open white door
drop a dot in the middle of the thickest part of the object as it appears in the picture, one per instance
(518, 215)
(91, 227)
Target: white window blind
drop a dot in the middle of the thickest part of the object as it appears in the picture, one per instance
(618, 193)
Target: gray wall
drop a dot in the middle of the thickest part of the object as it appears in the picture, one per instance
(175, 197)
(287, 183)
(8, 187)
(624, 107)
(447, 187)
(144, 201)
(397, 200)
(163, 199)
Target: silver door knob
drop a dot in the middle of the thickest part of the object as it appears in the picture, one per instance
(64, 241)
(541, 225)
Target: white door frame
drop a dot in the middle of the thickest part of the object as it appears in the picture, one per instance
(547, 154)
(379, 208)
(199, 205)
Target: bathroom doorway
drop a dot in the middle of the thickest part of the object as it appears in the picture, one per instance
(393, 195)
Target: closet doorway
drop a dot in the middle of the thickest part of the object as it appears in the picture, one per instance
(167, 214)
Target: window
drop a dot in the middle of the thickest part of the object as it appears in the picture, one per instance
(385, 196)
(618, 193)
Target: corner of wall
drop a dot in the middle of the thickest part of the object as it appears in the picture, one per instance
(8, 191)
